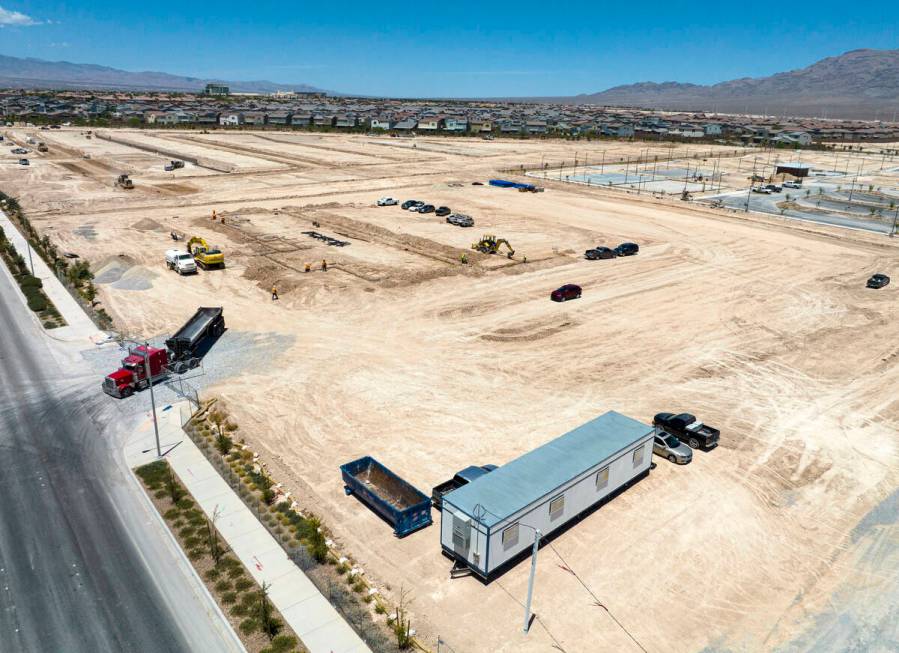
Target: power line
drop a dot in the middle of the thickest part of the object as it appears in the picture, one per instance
(596, 600)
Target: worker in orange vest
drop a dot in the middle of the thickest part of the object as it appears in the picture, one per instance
(274, 293)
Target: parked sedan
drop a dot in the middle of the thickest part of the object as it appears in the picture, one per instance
(408, 204)
(442, 211)
(599, 253)
(627, 249)
(426, 208)
(566, 292)
(668, 446)
(387, 201)
(878, 281)
(460, 220)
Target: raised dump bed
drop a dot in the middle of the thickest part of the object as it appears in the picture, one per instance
(403, 506)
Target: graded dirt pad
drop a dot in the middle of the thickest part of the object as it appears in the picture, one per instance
(783, 538)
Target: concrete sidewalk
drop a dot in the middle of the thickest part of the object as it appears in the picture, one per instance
(304, 608)
(79, 325)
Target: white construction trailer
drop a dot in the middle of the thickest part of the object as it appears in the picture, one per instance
(487, 524)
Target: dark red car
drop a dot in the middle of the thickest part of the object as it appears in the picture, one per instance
(566, 292)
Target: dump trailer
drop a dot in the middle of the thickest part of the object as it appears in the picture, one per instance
(207, 322)
(403, 506)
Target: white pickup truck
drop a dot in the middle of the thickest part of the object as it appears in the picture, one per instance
(180, 261)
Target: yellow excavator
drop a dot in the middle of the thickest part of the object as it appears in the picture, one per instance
(206, 257)
(490, 244)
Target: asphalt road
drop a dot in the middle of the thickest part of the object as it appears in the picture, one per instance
(84, 563)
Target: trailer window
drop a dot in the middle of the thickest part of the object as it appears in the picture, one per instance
(510, 536)
(638, 457)
(557, 507)
(602, 478)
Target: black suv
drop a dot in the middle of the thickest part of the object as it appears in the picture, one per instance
(599, 253)
(442, 211)
(427, 208)
(408, 204)
(627, 249)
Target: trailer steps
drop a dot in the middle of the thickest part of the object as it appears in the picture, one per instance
(459, 570)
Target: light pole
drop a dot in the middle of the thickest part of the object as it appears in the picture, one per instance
(147, 371)
(527, 606)
(152, 397)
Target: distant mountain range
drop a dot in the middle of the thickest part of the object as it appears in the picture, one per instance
(858, 84)
(37, 73)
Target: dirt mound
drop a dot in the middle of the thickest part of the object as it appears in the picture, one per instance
(148, 224)
(529, 331)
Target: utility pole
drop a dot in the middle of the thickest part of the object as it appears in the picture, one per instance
(527, 606)
(30, 262)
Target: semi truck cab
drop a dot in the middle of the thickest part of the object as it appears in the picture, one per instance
(133, 373)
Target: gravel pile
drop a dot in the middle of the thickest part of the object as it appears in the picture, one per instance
(136, 278)
(111, 272)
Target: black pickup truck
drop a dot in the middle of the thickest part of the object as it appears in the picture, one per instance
(462, 477)
(688, 429)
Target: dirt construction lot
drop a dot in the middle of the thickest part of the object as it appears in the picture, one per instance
(783, 538)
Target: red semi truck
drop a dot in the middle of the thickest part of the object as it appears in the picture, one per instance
(133, 373)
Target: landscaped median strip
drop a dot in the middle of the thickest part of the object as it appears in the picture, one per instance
(30, 285)
(250, 609)
(303, 607)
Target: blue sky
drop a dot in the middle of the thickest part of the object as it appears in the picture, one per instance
(448, 49)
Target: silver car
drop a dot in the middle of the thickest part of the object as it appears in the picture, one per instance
(668, 446)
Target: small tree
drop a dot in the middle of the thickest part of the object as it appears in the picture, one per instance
(216, 551)
(223, 443)
(402, 625)
(269, 624)
(173, 486)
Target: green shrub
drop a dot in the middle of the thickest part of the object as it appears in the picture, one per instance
(213, 574)
(223, 585)
(229, 598)
(196, 554)
(29, 281)
(341, 568)
(249, 626)
(185, 504)
(187, 531)
(243, 584)
(235, 572)
(49, 324)
(194, 541)
(172, 513)
(159, 494)
(239, 610)
(37, 303)
(379, 608)
(283, 644)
